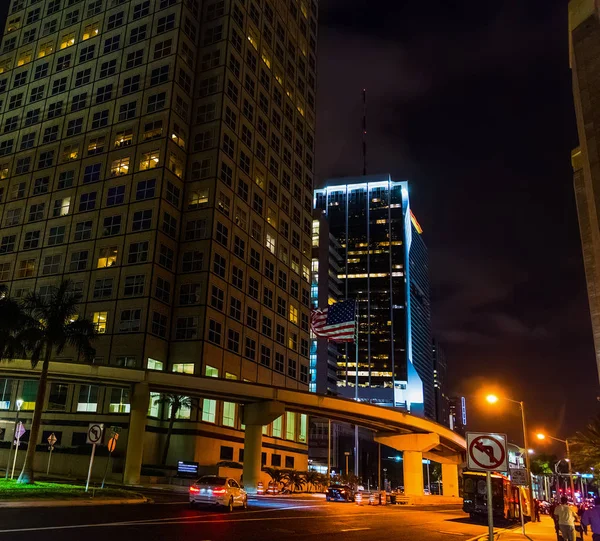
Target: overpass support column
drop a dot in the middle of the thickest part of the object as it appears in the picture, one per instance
(255, 416)
(450, 480)
(140, 401)
(413, 473)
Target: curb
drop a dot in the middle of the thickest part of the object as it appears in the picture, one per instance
(70, 503)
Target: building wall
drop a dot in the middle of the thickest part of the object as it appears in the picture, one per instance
(584, 41)
(370, 218)
(159, 154)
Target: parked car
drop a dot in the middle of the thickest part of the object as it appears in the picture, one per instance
(339, 493)
(218, 491)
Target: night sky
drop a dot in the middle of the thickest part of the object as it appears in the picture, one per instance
(471, 102)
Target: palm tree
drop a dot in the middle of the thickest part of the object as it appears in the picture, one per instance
(48, 326)
(176, 403)
(293, 479)
(585, 446)
(12, 321)
(312, 479)
(276, 475)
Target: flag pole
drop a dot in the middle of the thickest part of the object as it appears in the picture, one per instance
(356, 395)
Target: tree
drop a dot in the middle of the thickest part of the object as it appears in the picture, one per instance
(585, 446)
(12, 321)
(312, 479)
(293, 479)
(542, 464)
(48, 326)
(276, 475)
(175, 402)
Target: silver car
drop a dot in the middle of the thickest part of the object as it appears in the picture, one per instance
(221, 491)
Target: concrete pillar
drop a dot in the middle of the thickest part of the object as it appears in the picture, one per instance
(140, 401)
(252, 457)
(450, 480)
(413, 473)
(255, 416)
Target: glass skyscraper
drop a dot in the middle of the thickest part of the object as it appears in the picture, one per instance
(384, 267)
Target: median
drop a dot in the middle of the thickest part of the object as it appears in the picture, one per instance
(44, 494)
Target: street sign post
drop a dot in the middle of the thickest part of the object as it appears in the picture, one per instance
(19, 431)
(94, 436)
(112, 444)
(487, 452)
(518, 476)
(51, 441)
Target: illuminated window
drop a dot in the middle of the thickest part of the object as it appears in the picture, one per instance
(290, 425)
(303, 427)
(211, 372)
(119, 401)
(61, 207)
(70, 152)
(149, 160)
(88, 398)
(266, 58)
(228, 414)
(198, 198)
(185, 411)
(153, 364)
(253, 37)
(25, 57)
(28, 395)
(124, 138)
(67, 40)
(90, 31)
(293, 314)
(96, 145)
(209, 410)
(183, 368)
(152, 129)
(120, 167)
(277, 427)
(107, 257)
(154, 407)
(99, 321)
(270, 243)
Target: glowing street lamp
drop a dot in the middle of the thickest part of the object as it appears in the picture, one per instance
(493, 399)
(542, 436)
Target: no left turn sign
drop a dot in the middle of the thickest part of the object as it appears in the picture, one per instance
(94, 433)
(487, 452)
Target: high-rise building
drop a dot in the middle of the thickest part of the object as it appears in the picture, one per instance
(584, 48)
(325, 290)
(458, 414)
(440, 368)
(159, 154)
(385, 269)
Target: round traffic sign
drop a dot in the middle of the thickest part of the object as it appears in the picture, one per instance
(487, 452)
(95, 433)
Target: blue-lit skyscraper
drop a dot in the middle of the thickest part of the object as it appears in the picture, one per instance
(384, 267)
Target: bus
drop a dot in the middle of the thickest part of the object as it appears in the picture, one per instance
(505, 497)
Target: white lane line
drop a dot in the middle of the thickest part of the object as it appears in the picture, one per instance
(354, 529)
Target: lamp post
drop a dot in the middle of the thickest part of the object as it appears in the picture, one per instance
(492, 399)
(542, 436)
(19, 404)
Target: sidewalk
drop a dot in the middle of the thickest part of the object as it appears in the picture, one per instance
(534, 531)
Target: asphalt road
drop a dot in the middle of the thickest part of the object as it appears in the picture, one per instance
(170, 518)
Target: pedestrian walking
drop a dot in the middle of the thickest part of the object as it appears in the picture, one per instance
(536, 507)
(591, 518)
(567, 517)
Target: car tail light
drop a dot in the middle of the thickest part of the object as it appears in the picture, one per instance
(219, 491)
(194, 490)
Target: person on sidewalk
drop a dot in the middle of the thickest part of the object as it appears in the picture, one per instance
(591, 518)
(536, 507)
(567, 516)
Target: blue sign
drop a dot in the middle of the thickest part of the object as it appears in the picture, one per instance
(187, 468)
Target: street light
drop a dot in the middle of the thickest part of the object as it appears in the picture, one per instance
(542, 436)
(493, 399)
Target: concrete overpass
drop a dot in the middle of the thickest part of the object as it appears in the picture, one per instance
(417, 438)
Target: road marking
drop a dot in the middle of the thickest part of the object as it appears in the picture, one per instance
(354, 529)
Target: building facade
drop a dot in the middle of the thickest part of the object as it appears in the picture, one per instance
(440, 368)
(159, 154)
(584, 51)
(371, 220)
(458, 414)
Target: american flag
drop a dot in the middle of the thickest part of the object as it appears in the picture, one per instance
(337, 322)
